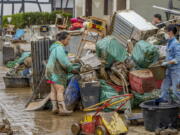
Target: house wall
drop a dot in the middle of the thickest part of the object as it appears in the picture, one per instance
(98, 8)
(145, 9)
(79, 8)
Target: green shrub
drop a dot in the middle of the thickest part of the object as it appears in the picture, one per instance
(21, 20)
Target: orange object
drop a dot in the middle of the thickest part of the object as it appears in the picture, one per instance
(77, 25)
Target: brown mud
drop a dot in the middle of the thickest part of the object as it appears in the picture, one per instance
(12, 104)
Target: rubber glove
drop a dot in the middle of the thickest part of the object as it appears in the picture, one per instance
(164, 64)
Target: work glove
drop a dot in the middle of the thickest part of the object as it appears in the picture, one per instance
(164, 64)
(16, 66)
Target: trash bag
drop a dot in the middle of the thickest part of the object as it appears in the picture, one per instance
(19, 34)
(107, 92)
(110, 50)
(23, 57)
(144, 54)
(72, 94)
(139, 98)
(11, 64)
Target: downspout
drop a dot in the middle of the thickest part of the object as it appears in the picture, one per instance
(114, 6)
(128, 3)
(84, 7)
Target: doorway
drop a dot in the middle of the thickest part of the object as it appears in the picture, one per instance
(88, 10)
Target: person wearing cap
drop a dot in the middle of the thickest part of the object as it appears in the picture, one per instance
(172, 62)
(157, 21)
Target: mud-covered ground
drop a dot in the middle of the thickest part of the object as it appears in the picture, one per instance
(12, 102)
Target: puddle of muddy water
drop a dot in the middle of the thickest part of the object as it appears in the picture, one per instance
(40, 122)
(33, 123)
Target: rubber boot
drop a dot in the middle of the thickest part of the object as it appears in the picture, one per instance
(54, 107)
(157, 131)
(63, 110)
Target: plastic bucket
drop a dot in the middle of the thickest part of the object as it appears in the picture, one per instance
(158, 116)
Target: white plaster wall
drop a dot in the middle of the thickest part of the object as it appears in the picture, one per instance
(98, 8)
(79, 7)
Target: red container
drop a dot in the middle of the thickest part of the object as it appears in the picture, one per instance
(88, 128)
(142, 81)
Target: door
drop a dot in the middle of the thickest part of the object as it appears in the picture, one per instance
(121, 4)
(88, 7)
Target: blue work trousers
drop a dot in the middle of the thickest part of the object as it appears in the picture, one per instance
(172, 80)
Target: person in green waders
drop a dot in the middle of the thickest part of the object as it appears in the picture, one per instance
(57, 69)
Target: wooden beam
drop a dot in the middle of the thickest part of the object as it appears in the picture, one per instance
(19, 2)
(39, 6)
(2, 8)
(12, 8)
(23, 4)
(106, 7)
(67, 2)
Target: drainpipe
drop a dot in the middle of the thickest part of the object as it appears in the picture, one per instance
(128, 3)
(83, 7)
(114, 6)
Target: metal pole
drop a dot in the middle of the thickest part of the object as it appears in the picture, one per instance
(167, 10)
(23, 6)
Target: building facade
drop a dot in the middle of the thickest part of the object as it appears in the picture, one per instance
(99, 8)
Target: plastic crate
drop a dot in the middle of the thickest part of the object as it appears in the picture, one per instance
(90, 93)
(142, 81)
(16, 82)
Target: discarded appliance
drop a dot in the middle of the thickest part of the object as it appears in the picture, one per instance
(127, 24)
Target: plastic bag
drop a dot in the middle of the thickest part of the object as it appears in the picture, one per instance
(144, 54)
(72, 94)
(139, 98)
(107, 92)
(110, 50)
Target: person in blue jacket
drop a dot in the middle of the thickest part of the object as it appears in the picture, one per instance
(57, 70)
(172, 78)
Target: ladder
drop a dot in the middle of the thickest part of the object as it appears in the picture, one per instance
(89, 36)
